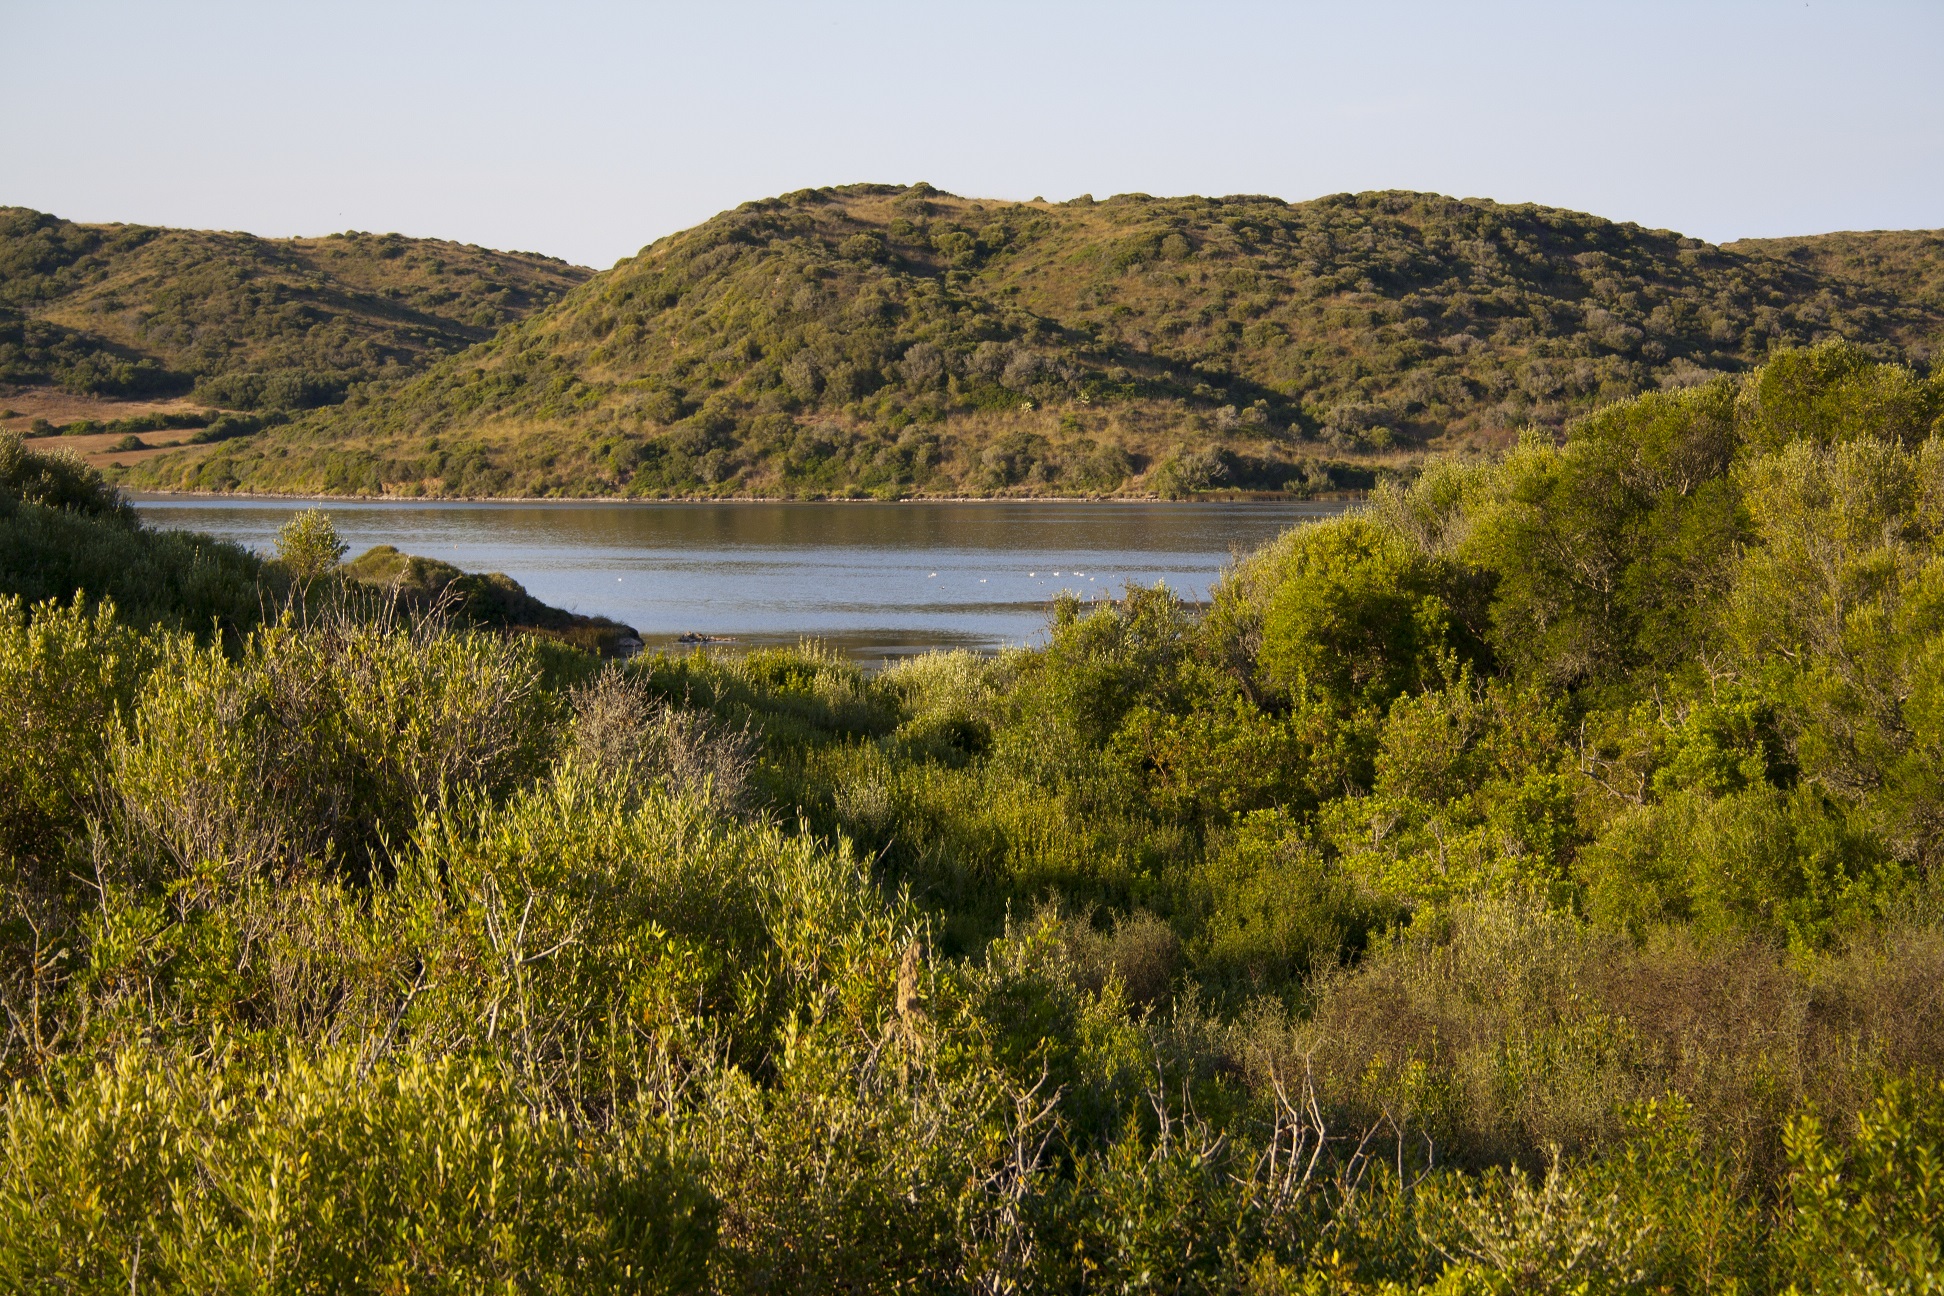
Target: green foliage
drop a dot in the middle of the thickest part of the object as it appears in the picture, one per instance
(1761, 858)
(1467, 798)
(326, 1174)
(875, 341)
(308, 545)
(57, 480)
(169, 578)
(491, 599)
(1834, 394)
(64, 530)
(265, 324)
(1870, 1217)
(34, 352)
(1360, 618)
(1607, 547)
(67, 676)
(1275, 911)
(320, 744)
(1528, 883)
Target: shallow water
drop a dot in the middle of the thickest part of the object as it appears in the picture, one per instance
(874, 580)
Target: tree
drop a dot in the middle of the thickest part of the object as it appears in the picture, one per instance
(309, 546)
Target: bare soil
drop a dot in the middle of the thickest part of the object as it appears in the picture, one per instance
(20, 406)
(97, 452)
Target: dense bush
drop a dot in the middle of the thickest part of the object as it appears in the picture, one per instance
(328, 1174)
(1529, 883)
(57, 480)
(64, 531)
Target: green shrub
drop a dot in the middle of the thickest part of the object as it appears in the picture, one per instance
(308, 545)
(321, 744)
(328, 1174)
(1360, 617)
(67, 678)
(1491, 892)
(1868, 1212)
(170, 578)
(57, 479)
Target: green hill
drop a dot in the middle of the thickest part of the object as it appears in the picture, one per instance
(892, 341)
(246, 322)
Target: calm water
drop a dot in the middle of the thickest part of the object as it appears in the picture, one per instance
(873, 579)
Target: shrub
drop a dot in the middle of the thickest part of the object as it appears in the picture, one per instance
(170, 578)
(58, 479)
(623, 734)
(321, 744)
(67, 678)
(308, 545)
(325, 1174)
(1868, 1215)
(1357, 616)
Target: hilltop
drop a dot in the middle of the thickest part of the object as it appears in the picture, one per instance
(242, 322)
(885, 340)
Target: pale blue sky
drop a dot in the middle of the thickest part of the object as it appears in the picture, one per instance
(586, 130)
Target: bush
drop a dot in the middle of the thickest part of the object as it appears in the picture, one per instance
(1359, 617)
(1869, 1216)
(622, 733)
(320, 745)
(1519, 886)
(57, 479)
(168, 578)
(67, 678)
(325, 1174)
(308, 545)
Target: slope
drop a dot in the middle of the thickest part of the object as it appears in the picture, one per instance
(247, 322)
(893, 341)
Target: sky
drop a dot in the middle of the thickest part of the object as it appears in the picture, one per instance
(587, 130)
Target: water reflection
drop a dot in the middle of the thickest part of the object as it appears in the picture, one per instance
(873, 579)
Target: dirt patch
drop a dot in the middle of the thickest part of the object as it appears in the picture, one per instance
(129, 458)
(20, 406)
(98, 449)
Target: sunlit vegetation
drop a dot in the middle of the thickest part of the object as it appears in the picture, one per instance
(244, 322)
(427, 585)
(881, 341)
(1529, 882)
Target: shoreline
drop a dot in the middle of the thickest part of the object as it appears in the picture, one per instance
(1345, 498)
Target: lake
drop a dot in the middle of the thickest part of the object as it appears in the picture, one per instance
(872, 580)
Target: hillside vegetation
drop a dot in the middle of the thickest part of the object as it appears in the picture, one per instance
(1531, 882)
(494, 599)
(246, 322)
(875, 340)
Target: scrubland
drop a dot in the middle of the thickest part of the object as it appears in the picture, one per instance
(1528, 882)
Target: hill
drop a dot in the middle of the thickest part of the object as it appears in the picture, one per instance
(1899, 266)
(245, 322)
(892, 341)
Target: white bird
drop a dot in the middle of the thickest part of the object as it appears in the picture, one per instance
(934, 573)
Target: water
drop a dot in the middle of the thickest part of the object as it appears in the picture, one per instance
(873, 580)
